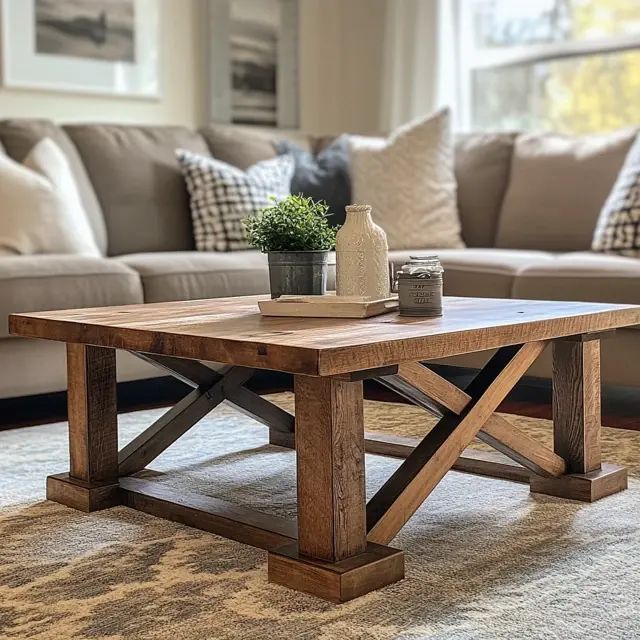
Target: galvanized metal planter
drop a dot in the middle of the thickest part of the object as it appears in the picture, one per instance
(298, 272)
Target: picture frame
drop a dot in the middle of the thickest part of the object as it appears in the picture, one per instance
(253, 62)
(106, 47)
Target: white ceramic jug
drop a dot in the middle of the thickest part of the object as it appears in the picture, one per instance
(362, 256)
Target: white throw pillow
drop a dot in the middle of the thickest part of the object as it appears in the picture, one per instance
(409, 182)
(222, 196)
(40, 207)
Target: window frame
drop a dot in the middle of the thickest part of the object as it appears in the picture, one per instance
(472, 58)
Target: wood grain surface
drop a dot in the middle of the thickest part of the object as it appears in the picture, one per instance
(586, 487)
(339, 581)
(475, 461)
(231, 330)
(330, 463)
(93, 420)
(576, 404)
(209, 514)
(497, 431)
(81, 495)
(397, 500)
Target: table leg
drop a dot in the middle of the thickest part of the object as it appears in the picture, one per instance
(576, 421)
(92, 482)
(332, 559)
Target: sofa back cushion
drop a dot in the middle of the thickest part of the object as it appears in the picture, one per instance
(482, 166)
(20, 136)
(557, 187)
(139, 184)
(243, 147)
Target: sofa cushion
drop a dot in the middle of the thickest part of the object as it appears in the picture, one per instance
(139, 184)
(582, 276)
(191, 275)
(243, 147)
(48, 282)
(557, 187)
(20, 136)
(482, 165)
(480, 273)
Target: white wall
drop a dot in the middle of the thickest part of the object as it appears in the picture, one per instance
(182, 76)
(341, 65)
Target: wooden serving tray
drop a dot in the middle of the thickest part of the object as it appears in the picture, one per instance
(327, 306)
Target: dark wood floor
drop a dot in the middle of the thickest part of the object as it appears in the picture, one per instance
(531, 397)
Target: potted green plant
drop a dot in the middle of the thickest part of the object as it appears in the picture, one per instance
(297, 237)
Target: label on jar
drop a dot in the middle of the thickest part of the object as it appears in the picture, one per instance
(420, 296)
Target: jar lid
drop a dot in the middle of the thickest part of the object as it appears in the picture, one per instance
(421, 266)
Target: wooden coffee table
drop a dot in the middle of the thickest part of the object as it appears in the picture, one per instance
(338, 548)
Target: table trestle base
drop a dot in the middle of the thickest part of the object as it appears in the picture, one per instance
(337, 548)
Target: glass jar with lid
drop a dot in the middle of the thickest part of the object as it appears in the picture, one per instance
(419, 286)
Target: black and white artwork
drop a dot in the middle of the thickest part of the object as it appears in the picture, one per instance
(98, 29)
(254, 58)
(95, 46)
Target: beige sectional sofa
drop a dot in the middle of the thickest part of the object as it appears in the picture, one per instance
(138, 206)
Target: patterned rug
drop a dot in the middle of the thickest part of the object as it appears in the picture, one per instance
(486, 560)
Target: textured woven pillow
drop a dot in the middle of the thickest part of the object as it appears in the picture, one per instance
(618, 228)
(222, 196)
(408, 179)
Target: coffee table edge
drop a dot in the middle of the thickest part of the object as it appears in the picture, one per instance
(288, 359)
(339, 360)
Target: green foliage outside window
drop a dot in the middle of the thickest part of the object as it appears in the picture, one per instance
(575, 94)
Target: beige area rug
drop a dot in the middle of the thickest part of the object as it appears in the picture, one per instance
(485, 559)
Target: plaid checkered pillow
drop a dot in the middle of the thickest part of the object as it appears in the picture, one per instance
(223, 195)
(618, 228)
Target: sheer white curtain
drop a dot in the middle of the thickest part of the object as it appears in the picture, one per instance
(420, 60)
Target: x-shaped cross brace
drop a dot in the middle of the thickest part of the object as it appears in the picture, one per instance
(425, 388)
(466, 414)
(210, 388)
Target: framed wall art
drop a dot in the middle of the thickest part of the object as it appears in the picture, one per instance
(254, 62)
(95, 46)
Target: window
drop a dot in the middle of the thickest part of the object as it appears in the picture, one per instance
(560, 65)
